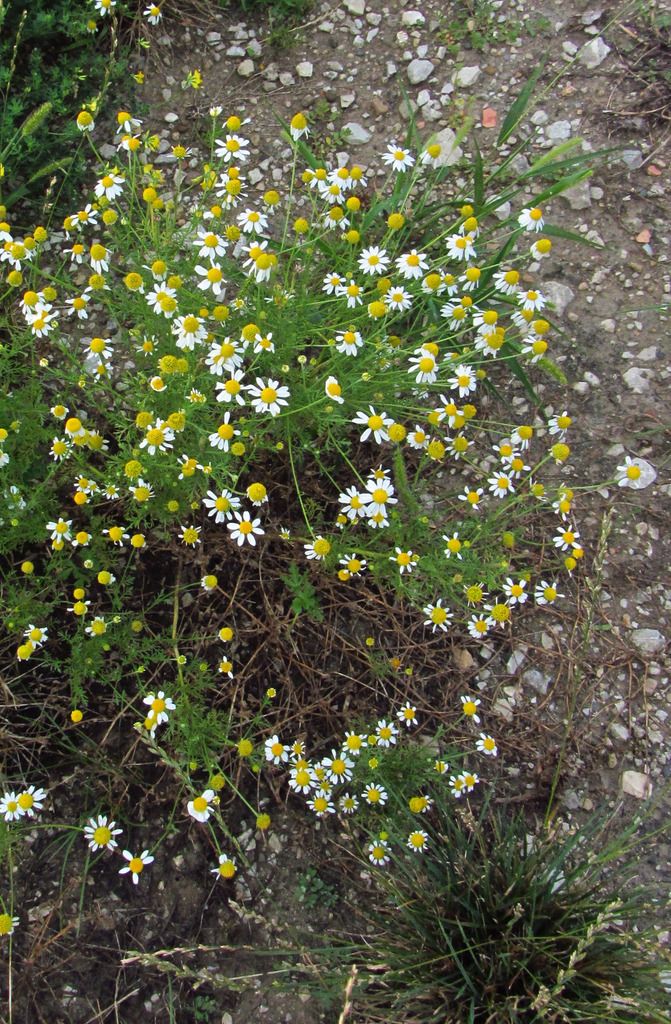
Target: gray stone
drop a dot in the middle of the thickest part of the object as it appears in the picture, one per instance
(502, 212)
(410, 18)
(620, 731)
(246, 68)
(213, 37)
(466, 76)
(304, 69)
(538, 681)
(347, 99)
(450, 153)
(355, 6)
(419, 70)
(569, 48)
(560, 295)
(631, 158)
(171, 118)
(357, 135)
(594, 53)
(515, 661)
(638, 379)
(286, 78)
(592, 15)
(236, 51)
(558, 131)
(648, 641)
(539, 117)
(636, 784)
(579, 196)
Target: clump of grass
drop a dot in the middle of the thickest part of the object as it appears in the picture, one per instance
(495, 925)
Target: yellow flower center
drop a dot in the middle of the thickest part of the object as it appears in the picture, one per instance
(102, 835)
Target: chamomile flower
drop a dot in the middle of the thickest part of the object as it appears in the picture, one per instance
(515, 590)
(252, 222)
(375, 423)
(417, 438)
(386, 733)
(189, 330)
(331, 283)
(100, 833)
(469, 706)
(298, 127)
(268, 396)
(479, 625)
(397, 158)
(159, 705)
(348, 342)
(32, 800)
(378, 852)
(636, 474)
(375, 795)
(457, 786)
(60, 529)
(212, 279)
(424, 366)
(438, 616)
(38, 635)
(245, 529)
(110, 185)
(418, 841)
(350, 291)
(378, 494)
(233, 147)
(226, 867)
(501, 485)
(8, 924)
(136, 864)
(153, 14)
(210, 245)
(354, 743)
(276, 751)
(189, 535)
(200, 807)
(333, 390)
(159, 438)
(373, 260)
(223, 435)
(317, 549)
(487, 745)
(567, 538)
(221, 506)
(10, 808)
(398, 299)
(531, 219)
(321, 805)
(460, 247)
(60, 449)
(338, 767)
(405, 560)
(412, 265)
(546, 593)
(407, 714)
(453, 545)
(348, 803)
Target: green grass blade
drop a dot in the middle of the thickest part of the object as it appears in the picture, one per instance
(516, 112)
